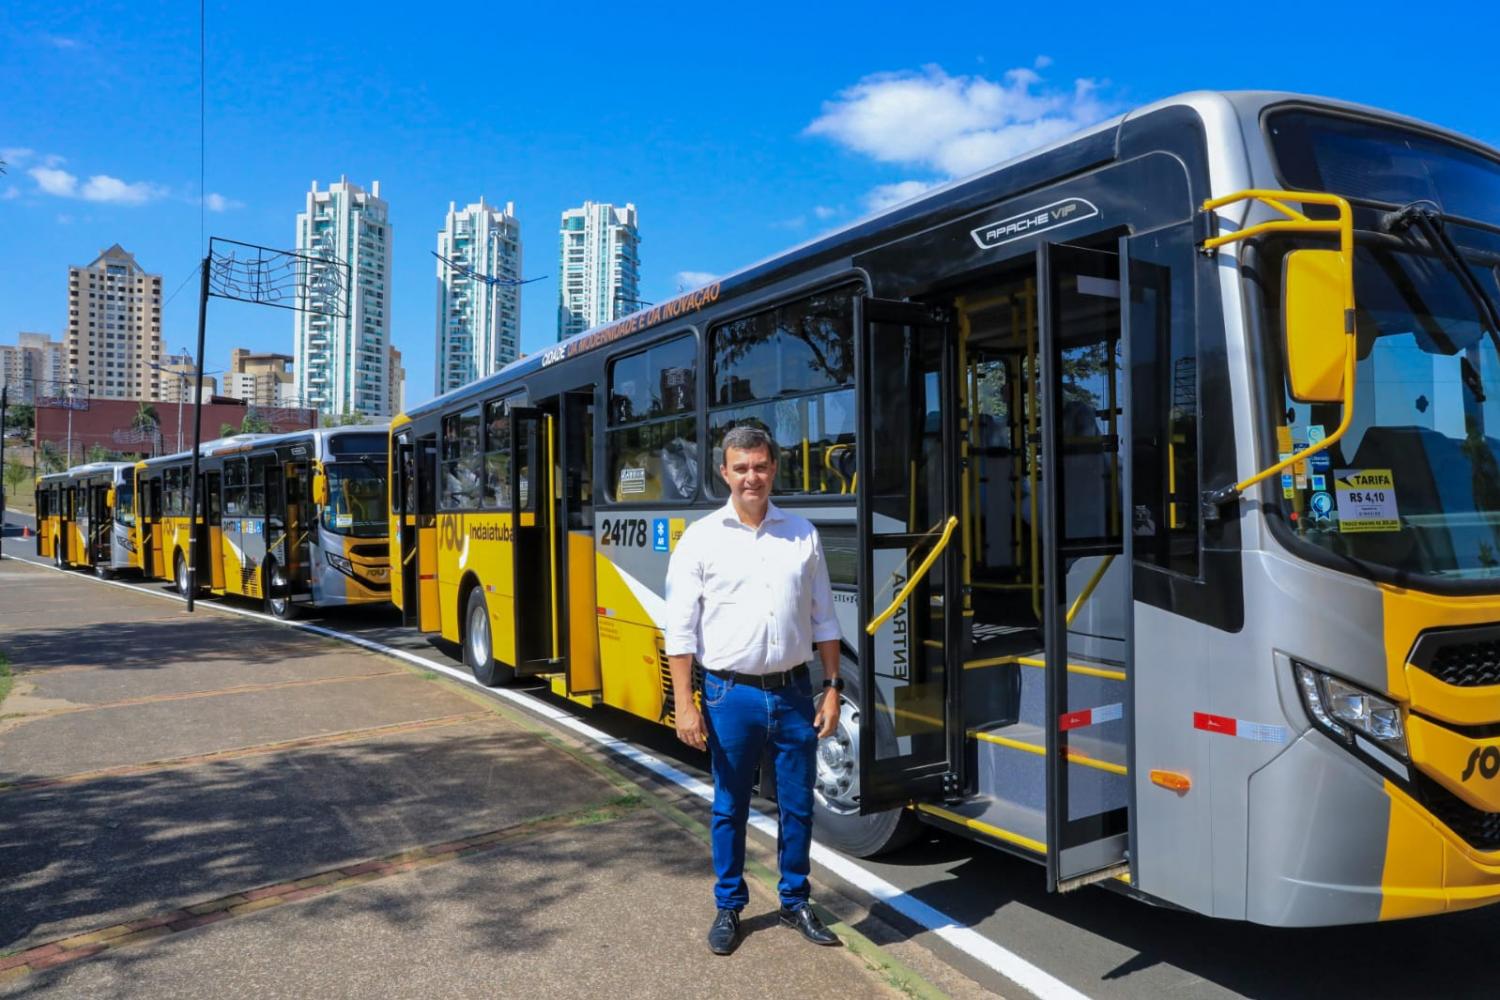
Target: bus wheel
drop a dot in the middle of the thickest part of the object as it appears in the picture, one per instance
(478, 649)
(278, 593)
(103, 572)
(180, 574)
(836, 792)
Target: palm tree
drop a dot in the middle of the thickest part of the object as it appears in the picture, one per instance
(145, 419)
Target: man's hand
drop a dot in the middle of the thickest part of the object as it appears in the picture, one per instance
(827, 718)
(690, 728)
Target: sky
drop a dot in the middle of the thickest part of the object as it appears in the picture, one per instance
(736, 132)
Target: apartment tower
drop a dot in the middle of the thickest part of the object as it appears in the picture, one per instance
(599, 267)
(114, 329)
(478, 293)
(343, 319)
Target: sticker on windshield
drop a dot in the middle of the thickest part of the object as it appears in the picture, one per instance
(343, 520)
(1366, 500)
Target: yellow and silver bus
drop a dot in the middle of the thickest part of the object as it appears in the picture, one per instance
(1155, 477)
(86, 518)
(294, 520)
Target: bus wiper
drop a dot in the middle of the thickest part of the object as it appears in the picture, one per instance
(1424, 218)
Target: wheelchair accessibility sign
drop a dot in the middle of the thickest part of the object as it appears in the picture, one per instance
(660, 540)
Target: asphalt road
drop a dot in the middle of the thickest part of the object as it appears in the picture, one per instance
(1095, 940)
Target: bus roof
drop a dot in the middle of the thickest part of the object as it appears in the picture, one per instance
(1244, 104)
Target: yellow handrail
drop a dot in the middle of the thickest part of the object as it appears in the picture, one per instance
(916, 578)
(1088, 590)
(1296, 222)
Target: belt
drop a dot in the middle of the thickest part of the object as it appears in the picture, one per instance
(766, 682)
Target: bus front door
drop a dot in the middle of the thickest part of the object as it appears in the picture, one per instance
(101, 525)
(534, 541)
(910, 603)
(1086, 562)
(580, 605)
(429, 613)
(403, 530)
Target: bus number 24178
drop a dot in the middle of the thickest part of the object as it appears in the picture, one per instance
(623, 531)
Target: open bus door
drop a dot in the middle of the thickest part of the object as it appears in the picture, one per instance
(100, 525)
(580, 623)
(403, 539)
(429, 613)
(911, 729)
(534, 541)
(1086, 565)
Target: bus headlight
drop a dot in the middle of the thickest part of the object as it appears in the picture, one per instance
(341, 564)
(1347, 712)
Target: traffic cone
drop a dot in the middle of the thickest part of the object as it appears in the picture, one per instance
(25, 531)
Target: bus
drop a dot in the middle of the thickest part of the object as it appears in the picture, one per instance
(86, 517)
(295, 520)
(1154, 475)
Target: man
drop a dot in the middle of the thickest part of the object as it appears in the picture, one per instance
(748, 595)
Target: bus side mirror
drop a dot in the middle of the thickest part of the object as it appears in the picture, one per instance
(1313, 314)
(319, 488)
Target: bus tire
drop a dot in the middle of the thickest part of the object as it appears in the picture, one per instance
(277, 590)
(836, 818)
(180, 576)
(103, 572)
(479, 648)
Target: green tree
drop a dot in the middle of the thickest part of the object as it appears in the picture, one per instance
(21, 415)
(145, 419)
(16, 473)
(227, 430)
(97, 453)
(254, 423)
(49, 458)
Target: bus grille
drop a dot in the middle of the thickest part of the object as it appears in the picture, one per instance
(371, 550)
(1467, 664)
(1479, 829)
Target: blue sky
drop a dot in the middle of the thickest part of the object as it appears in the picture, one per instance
(736, 134)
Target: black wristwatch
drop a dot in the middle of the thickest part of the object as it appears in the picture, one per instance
(837, 683)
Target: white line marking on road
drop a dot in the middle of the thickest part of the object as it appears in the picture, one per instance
(1007, 963)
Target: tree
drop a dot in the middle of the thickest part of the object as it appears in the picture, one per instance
(49, 458)
(145, 419)
(21, 415)
(97, 453)
(15, 474)
(254, 423)
(227, 430)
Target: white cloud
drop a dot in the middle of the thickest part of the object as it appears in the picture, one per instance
(16, 155)
(11, 193)
(58, 182)
(60, 41)
(215, 202)
(689, 280)
(888, 195)
(824, 211)
(955, 125)
(102, 187)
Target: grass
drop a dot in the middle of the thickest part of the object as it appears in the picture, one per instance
(5, 678)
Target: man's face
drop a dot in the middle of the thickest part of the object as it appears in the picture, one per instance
(749, 473)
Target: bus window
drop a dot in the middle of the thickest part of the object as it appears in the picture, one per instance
(125, 502)
(652, 438)
(497, 454)
(255, 491)
(172, 503)
(460, 468)
(790, 372)
(234, 488)
(1164, 400)
(356, 499)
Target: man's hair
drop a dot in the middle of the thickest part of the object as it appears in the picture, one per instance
(748, 438)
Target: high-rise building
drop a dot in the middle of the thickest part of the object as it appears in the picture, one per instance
(179, 376)
(599, 267)
(260, 378)
(343, 321)
(114, 328)
(478, 295)
(397, 381)
(33, 367)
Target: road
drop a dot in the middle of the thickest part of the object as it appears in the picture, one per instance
(1094, 940)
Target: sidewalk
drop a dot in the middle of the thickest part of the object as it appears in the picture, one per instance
(206, 803)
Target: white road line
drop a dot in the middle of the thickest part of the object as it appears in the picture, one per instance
(1002, 960)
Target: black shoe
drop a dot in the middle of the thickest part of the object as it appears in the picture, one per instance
(725, 933)
(806, 921)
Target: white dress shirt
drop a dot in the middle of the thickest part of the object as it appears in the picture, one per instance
(750, 600)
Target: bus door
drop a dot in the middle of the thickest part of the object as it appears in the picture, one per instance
(300, 526)
(101, 524)
(580, 605)
(151, 531)
(277, 543)
(66, 548)
(213, 507)
(429, 612)
(910, 602)
(534, 540)
(403, 534)
(1086, 562)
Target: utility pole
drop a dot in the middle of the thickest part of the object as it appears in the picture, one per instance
(195, 498)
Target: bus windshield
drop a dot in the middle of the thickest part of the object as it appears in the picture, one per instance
(356, 499)
(125, 502)
(1414, 486)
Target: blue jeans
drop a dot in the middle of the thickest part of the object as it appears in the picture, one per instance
(742, 721)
